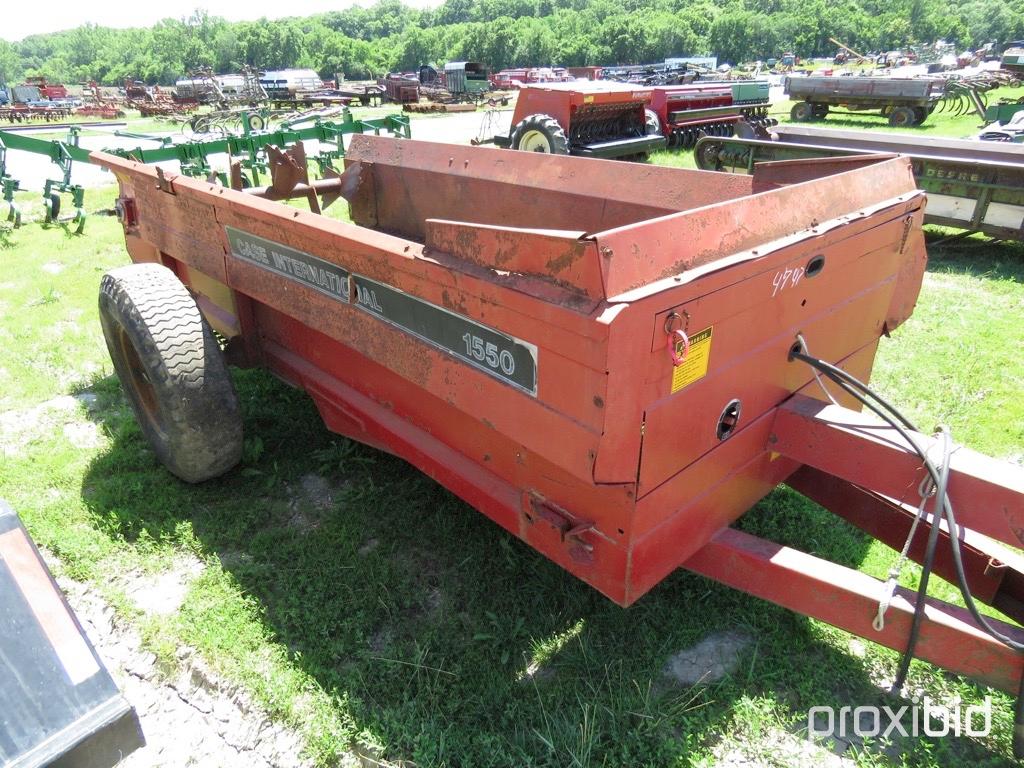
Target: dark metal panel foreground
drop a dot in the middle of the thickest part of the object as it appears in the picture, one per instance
(59, 704)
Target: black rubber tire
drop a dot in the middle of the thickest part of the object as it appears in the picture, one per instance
(546, 125)
(172, 370)
(802, 112)
(820, 111)
(920, 115)
(901, 117)
(706, 155)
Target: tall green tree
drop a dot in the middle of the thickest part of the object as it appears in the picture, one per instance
(389, 35)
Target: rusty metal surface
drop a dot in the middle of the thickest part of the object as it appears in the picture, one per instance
(837, 310)
(416, 180)
(690, 507)
(563, 257)
(781, 173)
(649, 302)
(638, 255)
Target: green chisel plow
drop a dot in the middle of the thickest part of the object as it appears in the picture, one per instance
(246, 154)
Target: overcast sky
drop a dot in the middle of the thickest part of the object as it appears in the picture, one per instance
(20, 19)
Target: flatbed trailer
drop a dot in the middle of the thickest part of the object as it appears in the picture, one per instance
(972, 185)
(611, 361)
(905, 101)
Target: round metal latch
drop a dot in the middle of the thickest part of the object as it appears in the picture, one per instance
(676, 322)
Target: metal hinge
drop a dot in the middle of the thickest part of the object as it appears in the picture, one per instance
(570, 529)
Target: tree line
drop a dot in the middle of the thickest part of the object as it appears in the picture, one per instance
(388, 36)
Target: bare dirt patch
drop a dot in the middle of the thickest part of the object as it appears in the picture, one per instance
(309, 499)
(163, 593)
(189, 717)
(714, 657)
(18, 428)
(779, 749)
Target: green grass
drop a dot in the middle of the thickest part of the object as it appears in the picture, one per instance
(397, 620)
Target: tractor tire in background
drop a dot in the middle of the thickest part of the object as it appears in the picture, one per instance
(172, 370)
(901, 117)
(540, 133)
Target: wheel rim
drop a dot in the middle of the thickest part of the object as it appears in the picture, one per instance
(535, 141)
(140, 382)
(709, 155)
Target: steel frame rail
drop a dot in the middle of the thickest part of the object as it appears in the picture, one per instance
(864, 471)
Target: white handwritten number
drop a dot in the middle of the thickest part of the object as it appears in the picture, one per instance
(787, 278)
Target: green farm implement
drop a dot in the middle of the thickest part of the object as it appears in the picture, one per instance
(62, 154)
(250, 156)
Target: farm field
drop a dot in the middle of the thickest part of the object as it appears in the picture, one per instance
(375, 614)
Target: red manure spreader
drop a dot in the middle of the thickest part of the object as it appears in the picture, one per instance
(611, 361)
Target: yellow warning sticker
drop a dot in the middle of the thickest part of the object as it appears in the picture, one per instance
(695, 366)
(588, 99)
